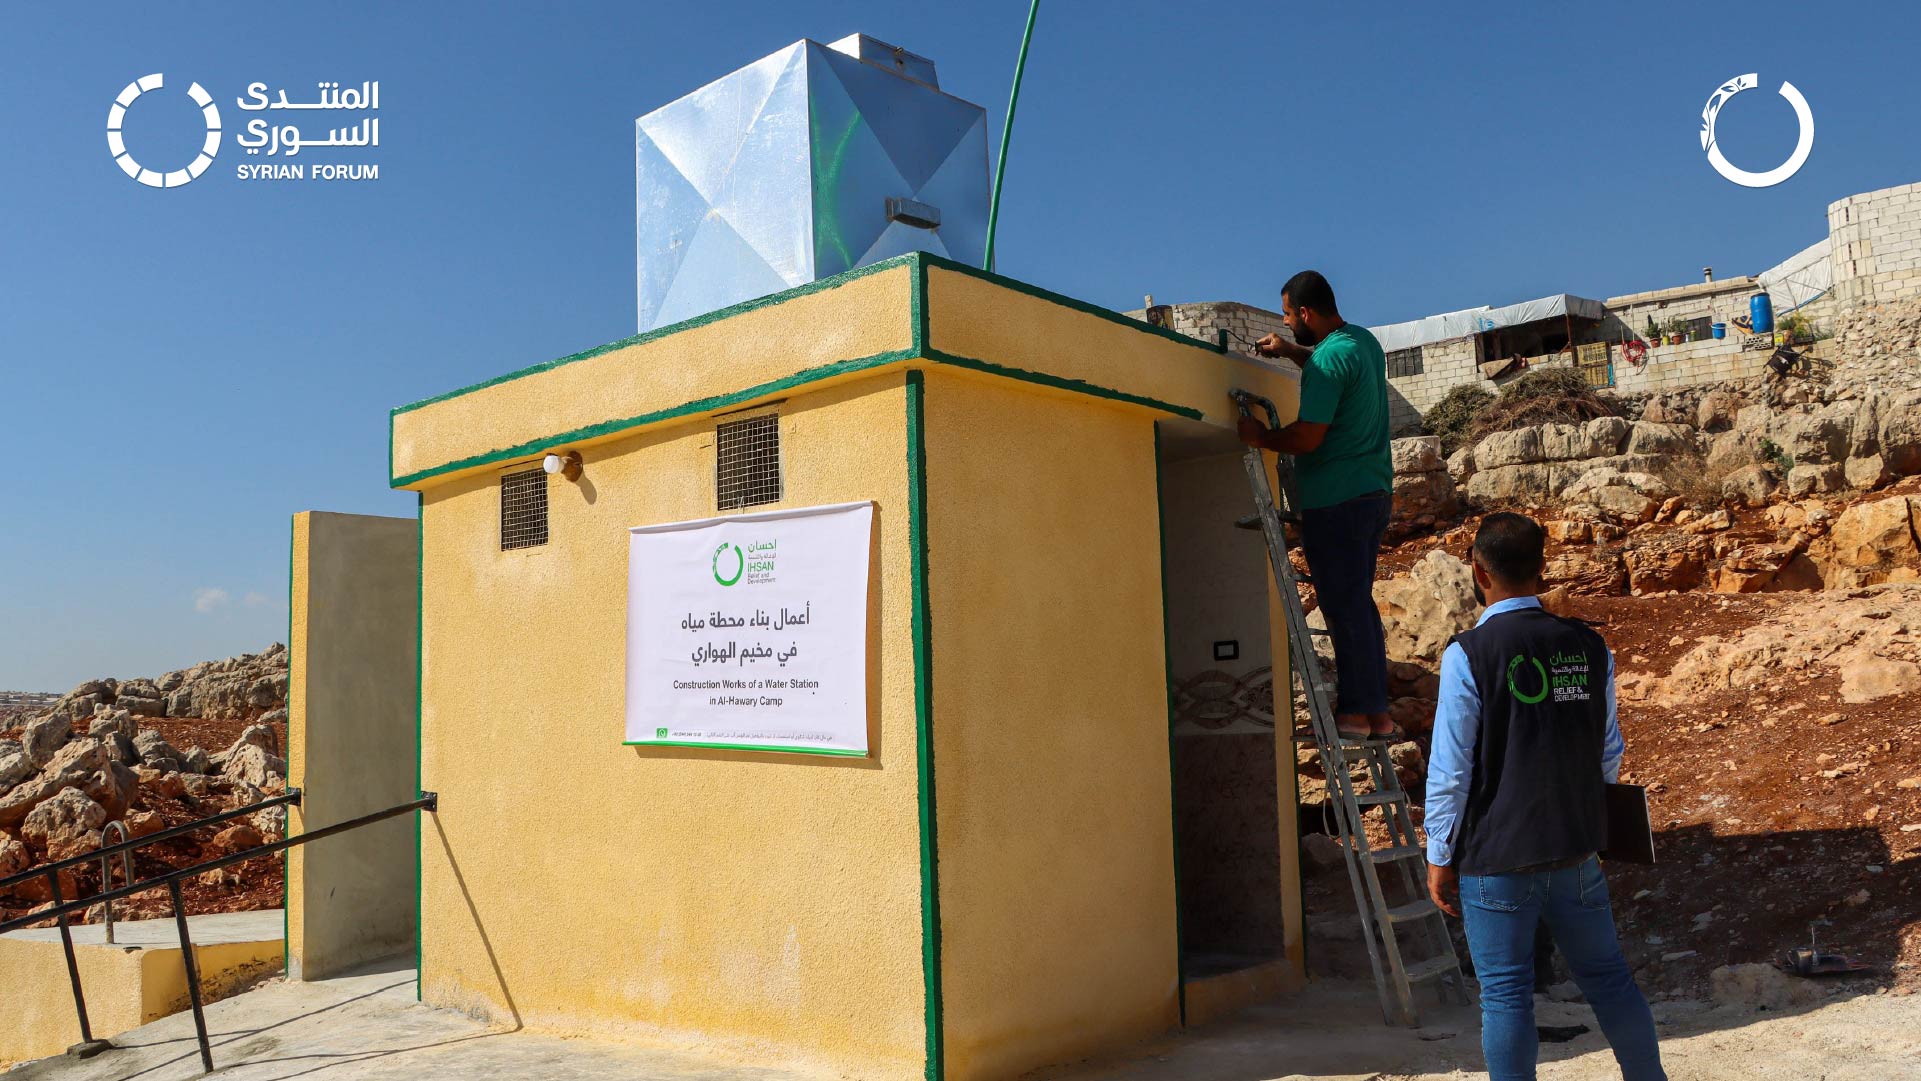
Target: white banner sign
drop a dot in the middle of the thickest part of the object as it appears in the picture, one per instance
(750, 631)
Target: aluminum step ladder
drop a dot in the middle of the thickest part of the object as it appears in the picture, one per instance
(1382, 922)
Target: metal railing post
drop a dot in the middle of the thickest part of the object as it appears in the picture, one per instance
(106, 871)
(73, 964)
(193, 973)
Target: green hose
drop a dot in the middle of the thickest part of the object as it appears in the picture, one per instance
(1007, 134)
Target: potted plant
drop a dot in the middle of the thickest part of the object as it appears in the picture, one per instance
(1677, 331)
(1653, 334)
(1795, 328)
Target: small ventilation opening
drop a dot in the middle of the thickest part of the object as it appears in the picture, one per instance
(747, 462)
(523, 509)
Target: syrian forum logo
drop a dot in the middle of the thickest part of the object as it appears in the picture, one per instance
(1741, 176)
(279, 138)
(118, 145)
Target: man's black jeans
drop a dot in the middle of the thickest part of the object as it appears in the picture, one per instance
(1342, 544)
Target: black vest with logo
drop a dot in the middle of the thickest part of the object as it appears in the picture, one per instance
(1536, 795)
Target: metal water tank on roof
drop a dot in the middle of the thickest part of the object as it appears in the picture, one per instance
(812, 161)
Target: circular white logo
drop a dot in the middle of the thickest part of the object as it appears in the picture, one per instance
(118, 145)
(1742, 176)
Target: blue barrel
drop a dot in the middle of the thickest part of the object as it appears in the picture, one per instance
(1761, 313)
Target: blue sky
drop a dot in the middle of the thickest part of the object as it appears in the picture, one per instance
(180, 371)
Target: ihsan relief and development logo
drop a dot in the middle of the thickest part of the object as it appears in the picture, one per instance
(754, 565)
(1802, 146)
(273, 137)
(1566, 675)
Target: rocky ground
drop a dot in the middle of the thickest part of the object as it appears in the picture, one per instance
(135, 752)
(1775, 730)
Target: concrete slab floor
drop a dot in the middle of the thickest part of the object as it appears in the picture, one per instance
(367, 1027)
(1332, 1032)
(362, 1027)
(209, 930)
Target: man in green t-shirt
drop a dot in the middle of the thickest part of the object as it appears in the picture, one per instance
(1345, 477)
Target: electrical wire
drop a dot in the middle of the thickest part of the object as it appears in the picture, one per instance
(1007, 135)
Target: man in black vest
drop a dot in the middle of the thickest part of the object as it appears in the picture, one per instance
(1525, 740)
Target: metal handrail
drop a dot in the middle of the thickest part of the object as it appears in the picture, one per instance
(292, 795)
(58, 911)
(106, 870)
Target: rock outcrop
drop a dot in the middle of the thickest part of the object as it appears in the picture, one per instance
(236, 689)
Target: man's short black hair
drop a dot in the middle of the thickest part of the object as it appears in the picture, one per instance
(1309, 290)
(1511, 547)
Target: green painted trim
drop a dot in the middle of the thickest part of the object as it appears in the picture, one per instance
(769, 301)
(420, 615)
(921, 348)
(930, 259)
(742, 747)
(917, 309)
(286, 854)
(1173, 784)
(924, 723)
(703, 405)
(787, 383)
(941, 356)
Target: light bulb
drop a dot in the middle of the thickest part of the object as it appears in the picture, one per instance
(552, 464)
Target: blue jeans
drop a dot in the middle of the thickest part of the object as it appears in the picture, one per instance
(1501, 912)
(1342, 543)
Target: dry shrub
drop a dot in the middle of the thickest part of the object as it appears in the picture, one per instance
(1543, 396)
(1452, 418)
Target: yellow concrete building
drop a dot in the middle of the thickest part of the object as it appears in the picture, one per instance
(994, 886)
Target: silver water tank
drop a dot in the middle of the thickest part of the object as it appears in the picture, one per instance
(812, 161)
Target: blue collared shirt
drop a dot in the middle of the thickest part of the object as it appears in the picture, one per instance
(1457, 728)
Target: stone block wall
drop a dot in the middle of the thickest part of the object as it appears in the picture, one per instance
(1690, 364)
(1876, 245)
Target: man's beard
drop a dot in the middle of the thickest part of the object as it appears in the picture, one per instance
(1480, 597)
(1305, 336)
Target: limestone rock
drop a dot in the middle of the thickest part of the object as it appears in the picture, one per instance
(1818, 437)
(1873, 534)
(195, 760)
(238, 836)
(1712, 522)
(1867, 678)
(1460, 465)
(1750, 484)
(1416, 494)
(44, 738)
(1758, 986)
(14, 857)
(1566, 532)
(1735, 449)
(1511, 483)
(67, 824)
(1606, 436)
(1660, 439)
(1805, 480)
(14, 768)
(1518, 447)
(1416, 454)
(1715, 412)
(143, 707)
(1666, 563)
(115, 722)
(1424, 608)
(250, 763)
(155, 751)
(1899, 433)
(1868, 473)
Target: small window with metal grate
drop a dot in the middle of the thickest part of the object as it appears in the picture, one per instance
(523, 509)
(1403, 363)
(747, 462)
